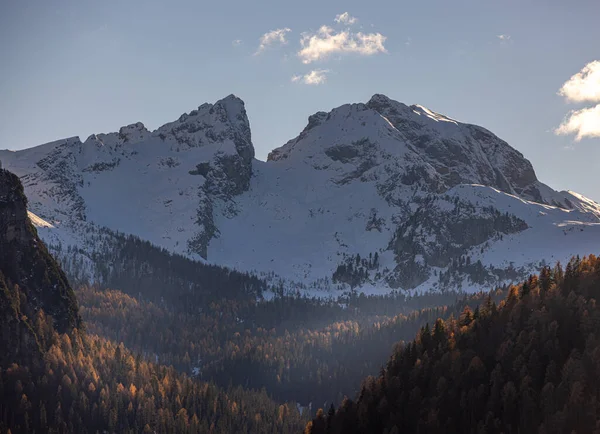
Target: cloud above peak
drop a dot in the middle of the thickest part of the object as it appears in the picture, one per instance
(272, 38)
(345, 18)
(327, 42)
(583, 86)
(314, 77)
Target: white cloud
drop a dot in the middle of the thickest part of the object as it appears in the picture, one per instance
(345, 18)
(315, 77)
(583, 86)
(583, 123)
(503, 37)
(326, 42)
(274, 37)
(236, 42)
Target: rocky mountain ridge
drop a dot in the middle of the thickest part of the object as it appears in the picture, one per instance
(441, 203)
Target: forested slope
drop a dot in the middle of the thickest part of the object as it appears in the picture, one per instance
(530, 364)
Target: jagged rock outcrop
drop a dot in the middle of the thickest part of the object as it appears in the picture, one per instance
(226, 126)
(440, 230)
(30, 279)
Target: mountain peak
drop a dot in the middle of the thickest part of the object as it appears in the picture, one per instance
(231, 99)
(137, 128)
(380, 99)
(381, 103)
(225, 122)
(384, 133)
(233, 107)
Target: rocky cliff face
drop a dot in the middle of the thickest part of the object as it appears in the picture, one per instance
(30, 279)
(460, 153)
(224, 126)
(408, 145)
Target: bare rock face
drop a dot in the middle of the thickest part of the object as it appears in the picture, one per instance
(30, 279)
(13, 217)
(461, 153)
(440, 230)
(224, 126)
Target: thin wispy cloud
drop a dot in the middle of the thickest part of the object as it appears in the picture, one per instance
(583, 86)
(273, 38)
(236, 42)
(583, 123)
(327, 42)
(315, 77)
(503, 37)
(345, 18)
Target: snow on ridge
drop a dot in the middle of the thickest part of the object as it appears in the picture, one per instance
(38, 222)
(433, 115)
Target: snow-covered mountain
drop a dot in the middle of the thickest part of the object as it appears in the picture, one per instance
(377, 196)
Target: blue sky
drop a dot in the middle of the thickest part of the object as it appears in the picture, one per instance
(77, 67)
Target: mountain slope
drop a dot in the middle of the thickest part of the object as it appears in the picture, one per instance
(528, 365)
(373, 196)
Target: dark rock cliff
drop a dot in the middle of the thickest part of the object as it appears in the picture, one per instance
(30, 279)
